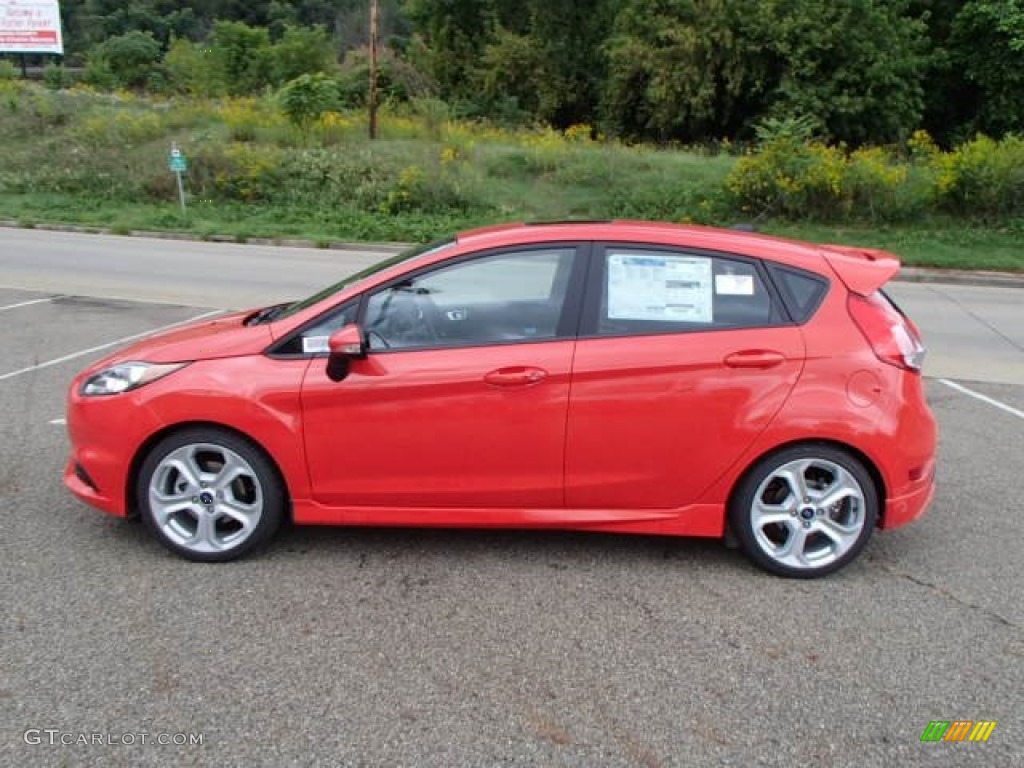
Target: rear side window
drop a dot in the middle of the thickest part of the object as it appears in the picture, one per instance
(802, 291)
(654, 291)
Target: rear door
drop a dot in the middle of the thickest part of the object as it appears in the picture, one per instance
(683, 359)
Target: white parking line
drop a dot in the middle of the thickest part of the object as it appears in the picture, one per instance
(984, 398)
(30, 303)
(115, 343)
(58, 422)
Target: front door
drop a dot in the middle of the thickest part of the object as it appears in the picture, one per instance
(462, 398)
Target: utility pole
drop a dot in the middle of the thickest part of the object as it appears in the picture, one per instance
(374, 42)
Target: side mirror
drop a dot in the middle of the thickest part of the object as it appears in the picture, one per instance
(347, 341)
(346, 344)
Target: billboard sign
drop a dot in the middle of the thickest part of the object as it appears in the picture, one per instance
(30, 26)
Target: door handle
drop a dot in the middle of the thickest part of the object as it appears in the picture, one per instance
(515, 376)
(755, 358)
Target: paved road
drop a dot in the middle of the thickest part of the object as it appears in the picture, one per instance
(434, 648)
(172, 271)
(972, 332)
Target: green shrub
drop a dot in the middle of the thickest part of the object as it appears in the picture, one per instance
(791, 178)
(984, 177)
(873, 180)
(191, 69)
(301, 51)
(56, 78)
(305, 99)
(8, 71)
(236, 172)
(417, 189)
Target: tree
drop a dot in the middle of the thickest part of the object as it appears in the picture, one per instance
(548, 57)
(242, 55)
(684, 69)
(696, 69)
(987, 46)
(856, 65)
(130, 58)
(300, 51)
(454, 33)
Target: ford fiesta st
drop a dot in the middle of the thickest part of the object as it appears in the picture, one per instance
(624, 377)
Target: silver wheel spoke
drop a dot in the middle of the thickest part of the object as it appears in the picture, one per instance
(189, 468)
(171, 508)
(205, 537)
(233, 468)
(796, 478)
(792, 552)
(842, 536)
(844, 487)
(244, 516)
(767, 514)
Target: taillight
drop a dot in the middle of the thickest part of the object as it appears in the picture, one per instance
(892, 336)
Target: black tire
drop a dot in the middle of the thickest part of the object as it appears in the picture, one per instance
(209, 495)
(825, 536)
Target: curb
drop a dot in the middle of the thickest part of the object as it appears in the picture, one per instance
(980, 278)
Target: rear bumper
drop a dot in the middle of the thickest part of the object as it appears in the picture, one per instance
(911, 503)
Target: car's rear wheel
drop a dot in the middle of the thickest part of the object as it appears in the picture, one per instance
(209, 494)
(805, 511)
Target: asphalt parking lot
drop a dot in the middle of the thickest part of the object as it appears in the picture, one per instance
(435, 648)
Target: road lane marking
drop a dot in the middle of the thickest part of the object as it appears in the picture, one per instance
(983, 398)
(108, 345)
(33, 301)
(58, 422)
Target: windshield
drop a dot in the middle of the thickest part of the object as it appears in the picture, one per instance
(380, 266)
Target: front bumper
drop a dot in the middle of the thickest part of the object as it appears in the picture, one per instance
(105, 434)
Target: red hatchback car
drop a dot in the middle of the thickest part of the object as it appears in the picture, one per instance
(624, 377)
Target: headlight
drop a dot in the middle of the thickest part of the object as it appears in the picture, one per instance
(126, 376)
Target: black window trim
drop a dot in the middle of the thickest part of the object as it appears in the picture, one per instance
(590, 317)
(566, 328)
(788, 300)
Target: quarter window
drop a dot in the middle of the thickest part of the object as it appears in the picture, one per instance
(494, 299)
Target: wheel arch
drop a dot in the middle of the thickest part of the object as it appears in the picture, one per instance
(881, 491)
(147, 445)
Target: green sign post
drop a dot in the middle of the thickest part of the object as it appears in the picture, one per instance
(177, 164)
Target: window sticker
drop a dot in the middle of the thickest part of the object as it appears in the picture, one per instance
(314, 345)
(734, 285)
(659, 287)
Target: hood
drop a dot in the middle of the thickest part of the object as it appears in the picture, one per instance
(222, 336)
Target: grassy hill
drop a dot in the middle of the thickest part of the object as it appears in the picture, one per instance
(76, 156)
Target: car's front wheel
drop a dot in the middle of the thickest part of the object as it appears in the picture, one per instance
(209, 494)
(805, 511)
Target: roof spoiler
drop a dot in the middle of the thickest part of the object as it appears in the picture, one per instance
(862, 270)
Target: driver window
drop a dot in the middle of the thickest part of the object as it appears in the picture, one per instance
(495, 299)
